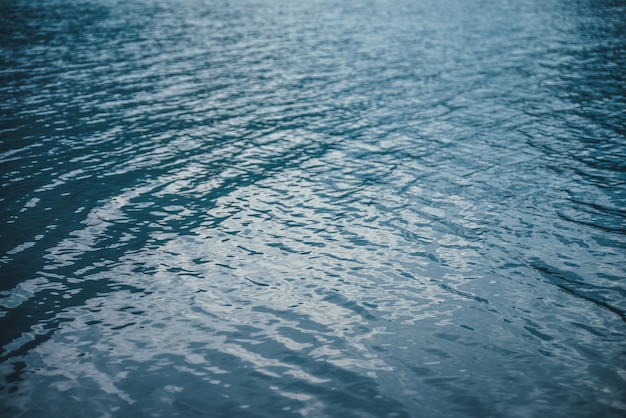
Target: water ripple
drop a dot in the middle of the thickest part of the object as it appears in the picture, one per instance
(326, 209)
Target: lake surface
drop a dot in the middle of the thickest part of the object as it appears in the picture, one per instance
(319, 209)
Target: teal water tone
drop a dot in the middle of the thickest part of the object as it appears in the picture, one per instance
(274, 208)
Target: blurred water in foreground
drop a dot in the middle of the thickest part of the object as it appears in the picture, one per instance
(321, 209)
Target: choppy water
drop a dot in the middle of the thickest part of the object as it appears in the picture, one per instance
(323, 208)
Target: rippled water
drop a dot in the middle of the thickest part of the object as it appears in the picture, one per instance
(324, 209)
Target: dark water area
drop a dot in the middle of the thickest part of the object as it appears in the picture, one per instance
(214, 208)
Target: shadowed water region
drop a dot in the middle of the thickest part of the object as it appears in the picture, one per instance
(273, 208)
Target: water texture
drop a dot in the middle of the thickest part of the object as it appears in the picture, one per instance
(274, 208)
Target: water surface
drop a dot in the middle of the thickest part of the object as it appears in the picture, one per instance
(332, 209)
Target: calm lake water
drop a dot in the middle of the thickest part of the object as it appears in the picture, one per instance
(275, 208)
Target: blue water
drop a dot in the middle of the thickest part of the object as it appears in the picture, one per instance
(275, 208)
